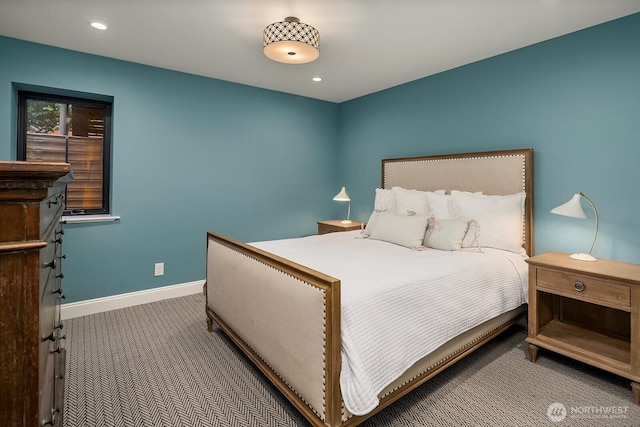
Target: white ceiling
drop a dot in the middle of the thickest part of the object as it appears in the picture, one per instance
(365, 45)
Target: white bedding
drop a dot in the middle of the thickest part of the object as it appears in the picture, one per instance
(398, 305)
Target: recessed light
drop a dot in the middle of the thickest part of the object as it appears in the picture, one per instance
(317, 79)
(98, 25)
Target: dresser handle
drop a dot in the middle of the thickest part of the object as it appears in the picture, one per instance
(51, 264)
(60, 276)
(57, 350)
(578, 286)
(59, 326)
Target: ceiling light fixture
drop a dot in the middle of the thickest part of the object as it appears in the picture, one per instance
(317, 79)
(291, 42)
(98, 25)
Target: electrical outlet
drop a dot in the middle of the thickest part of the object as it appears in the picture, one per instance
(159, 269)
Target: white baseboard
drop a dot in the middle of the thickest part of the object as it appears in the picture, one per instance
(98, 305)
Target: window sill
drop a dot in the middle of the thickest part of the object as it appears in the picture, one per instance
(78, 219)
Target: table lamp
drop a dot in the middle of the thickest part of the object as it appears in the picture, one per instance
(343, 196)
(573, 209)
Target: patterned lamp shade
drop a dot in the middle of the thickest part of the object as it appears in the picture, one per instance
(291, 42)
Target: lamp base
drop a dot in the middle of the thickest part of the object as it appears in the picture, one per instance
(583, 257)
(345, 221)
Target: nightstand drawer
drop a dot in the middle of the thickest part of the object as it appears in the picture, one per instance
(583, 288)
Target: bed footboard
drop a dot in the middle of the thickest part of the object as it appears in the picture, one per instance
(286, 319)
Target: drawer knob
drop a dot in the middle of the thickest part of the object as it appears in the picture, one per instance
(50, 337)
(578, 286)
(51, 421)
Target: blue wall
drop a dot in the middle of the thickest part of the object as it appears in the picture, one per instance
(574, 99)
(180, 140)
(190, 154)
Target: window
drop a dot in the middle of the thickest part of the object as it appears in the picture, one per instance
(54, 128)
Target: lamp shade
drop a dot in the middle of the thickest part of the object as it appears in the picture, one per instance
(291, 42)
(342, 196)
(573, 209)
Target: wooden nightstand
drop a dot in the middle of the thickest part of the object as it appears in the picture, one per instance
(589, 311)
(334, 225)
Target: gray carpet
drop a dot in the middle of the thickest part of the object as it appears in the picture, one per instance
(156, 365)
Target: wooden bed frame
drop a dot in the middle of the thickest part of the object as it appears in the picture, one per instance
(286, 317)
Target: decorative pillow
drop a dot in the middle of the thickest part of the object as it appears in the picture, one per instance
(446, 234)
(411, 202)
(471, 239)
(500, 218)
(440, 205)
(383, 203)
(383, 200)
(404, 230)
(371, 223)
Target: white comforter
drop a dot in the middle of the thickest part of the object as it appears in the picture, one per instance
(399, 305)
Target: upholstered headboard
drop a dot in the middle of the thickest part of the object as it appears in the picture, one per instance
(492, 172)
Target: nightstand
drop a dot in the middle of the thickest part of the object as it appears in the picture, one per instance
(589, 311)
(334, 225)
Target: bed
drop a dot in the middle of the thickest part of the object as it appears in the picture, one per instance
(287, 311)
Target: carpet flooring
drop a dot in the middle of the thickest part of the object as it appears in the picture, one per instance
(156, 365)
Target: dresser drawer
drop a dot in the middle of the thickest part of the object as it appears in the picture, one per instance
(584, 288)
(46, 389)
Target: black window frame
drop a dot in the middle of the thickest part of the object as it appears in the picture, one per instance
(24, 95)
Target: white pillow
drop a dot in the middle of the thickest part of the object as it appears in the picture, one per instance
(383, 200)
(371, 223)
(500, 218)
(404, 230)
(411, 202)
(472, 237)
(440, 205)
(446, 234)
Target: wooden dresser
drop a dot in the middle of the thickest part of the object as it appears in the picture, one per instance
(31, 204)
